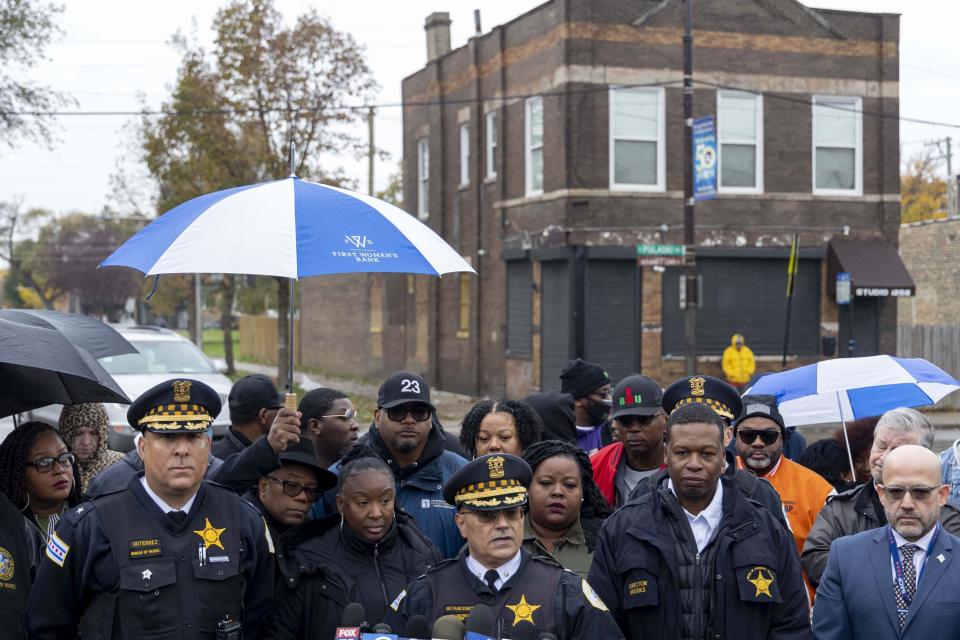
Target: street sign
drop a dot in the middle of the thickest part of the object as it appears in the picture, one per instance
(660, 255)
(704, 159)
(843, 288)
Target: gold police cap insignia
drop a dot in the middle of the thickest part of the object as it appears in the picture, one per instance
(495, 467)
(181, 390)
(696, 386)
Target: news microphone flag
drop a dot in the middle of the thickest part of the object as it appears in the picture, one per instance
(473, 635)
(379, 636)
(347, 633)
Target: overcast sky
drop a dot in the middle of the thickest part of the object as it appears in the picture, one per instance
(112, 50)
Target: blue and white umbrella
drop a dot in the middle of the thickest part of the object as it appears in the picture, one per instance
(289, 228)
(851, 388)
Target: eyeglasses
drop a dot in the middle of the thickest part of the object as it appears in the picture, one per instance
(348, 415)
(45, 465)
(767, 436)
(293, 489)
(919, 493)
(489, 517)
(420, 412)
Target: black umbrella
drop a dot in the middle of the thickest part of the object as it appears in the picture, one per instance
(95, 337)
(40, 366)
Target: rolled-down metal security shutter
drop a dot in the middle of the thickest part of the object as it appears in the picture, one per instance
(556, 323)
(519, 308)
(746, 295)
(611, 313)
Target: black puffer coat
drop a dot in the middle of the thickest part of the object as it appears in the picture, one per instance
(326, 559)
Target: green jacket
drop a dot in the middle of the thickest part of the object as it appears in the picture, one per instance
(570, 551)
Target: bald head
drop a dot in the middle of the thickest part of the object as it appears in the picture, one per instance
(914, 460)
(912, 492)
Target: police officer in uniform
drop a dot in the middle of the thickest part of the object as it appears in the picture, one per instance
(170, 556)
(490, 495)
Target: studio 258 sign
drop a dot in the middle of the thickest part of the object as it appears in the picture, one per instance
(704, 158)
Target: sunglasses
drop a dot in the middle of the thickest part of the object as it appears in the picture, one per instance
(919, 493)
(293, 489)
(628, 422)
(349, 415)
(420, 412)
(767, 436)
(489, 517)
(45, 465)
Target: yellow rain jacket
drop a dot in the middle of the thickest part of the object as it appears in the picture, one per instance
(738, 364)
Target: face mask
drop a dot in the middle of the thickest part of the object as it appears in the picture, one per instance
(599, 410)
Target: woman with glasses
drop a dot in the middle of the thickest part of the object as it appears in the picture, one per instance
(366, 553)
(38, 474)
(566, 506)
(85, 429)
(504, 426)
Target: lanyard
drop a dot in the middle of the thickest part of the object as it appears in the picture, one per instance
(900, 582)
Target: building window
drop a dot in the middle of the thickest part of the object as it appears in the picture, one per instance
(463, 329)
(423, 178)
(637, 155)
(534, 146)
(464, 154)
(837, 146)
(740, 135)
(491, 130)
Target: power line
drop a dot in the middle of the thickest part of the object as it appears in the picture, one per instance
(441, 102)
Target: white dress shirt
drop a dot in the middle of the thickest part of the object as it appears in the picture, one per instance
(163, 505)
(705, 523)
(918, 555)
(505, 571)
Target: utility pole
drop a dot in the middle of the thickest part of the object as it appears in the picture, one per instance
(689, 235)
(371, 151)
(951, 181)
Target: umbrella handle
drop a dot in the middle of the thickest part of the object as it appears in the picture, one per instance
(290, 401)
(843, 424)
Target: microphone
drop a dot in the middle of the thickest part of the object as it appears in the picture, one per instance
(417, 628)
(351, 622)
(546, 635)
(523, 630)
(479, 624)
(448, 627)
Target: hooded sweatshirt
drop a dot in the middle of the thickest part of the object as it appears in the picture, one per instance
(738, 364)
(90, 414)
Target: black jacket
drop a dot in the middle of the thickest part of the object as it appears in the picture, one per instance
(347, 566)
(634, 571)
(232, 442)
(19, 556)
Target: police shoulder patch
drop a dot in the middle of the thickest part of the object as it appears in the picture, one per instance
(592, 596)
(395, 605)
(57, 550)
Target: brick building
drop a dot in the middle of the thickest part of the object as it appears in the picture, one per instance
(931, 251)
(548, 148)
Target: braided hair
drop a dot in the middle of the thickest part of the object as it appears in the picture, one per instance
(358, 459)
(529, 425)
(13, 463)
(594, 509)
(316, 403)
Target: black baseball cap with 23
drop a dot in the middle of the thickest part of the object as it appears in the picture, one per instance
(404, 387)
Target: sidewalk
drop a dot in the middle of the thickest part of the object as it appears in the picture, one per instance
(451, 407)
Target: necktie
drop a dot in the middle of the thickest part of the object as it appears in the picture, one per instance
(177, 516)
(491, 577)
(910, 578)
